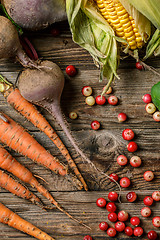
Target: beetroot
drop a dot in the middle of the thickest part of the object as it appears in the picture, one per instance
(35, 14)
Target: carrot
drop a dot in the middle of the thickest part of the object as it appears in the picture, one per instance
(7, 162)
(12, 219)
(18, 189)
(27, 109)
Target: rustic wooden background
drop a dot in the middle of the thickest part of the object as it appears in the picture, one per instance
(102, 146)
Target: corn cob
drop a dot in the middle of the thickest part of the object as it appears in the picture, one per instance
(122, 23)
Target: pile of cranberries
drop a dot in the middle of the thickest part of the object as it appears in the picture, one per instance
(151, 108)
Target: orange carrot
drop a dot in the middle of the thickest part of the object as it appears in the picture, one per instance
(12, 219)
(7, 162)
(27, 109)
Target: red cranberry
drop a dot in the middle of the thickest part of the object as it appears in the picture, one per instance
(113, 176)
(113, 196)
(128, 134)
(113, 100)
(146, 212)
(148, 201)
(111, 232)
(147, 98)
(122, 216)
(156, 196)
(135, 221)
(132, 147)
(119, 226)
(103, 226)
(156, 116)
(122, 160)
(152, 235)
(100, 100)
(87, 237)
(111, 207)
(122, 117)
(135, 161)
(71, 70)
(156, 221)
(112, 217)
(128, 231)
(95, 125)
(109, 90)
(139, 66)
(150, 108)
(125, 182)
(55, 32)
(138, 231)
(86, 91)
(101, 202)
(148, 176)
(131, 196)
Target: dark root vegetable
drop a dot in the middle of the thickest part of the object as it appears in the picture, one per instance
(10, 46)
(35, 14)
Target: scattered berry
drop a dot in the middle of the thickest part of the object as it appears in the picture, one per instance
(146, 212)
(156, 116)
(90, 100)
(125, 182)
(132, 147)
(131, 196)
(150, 108)
(147, 98)
(114, 176)
(122, 160)
(123, 216)
(73, 115)
(87, 91)
(112, 100)
(122, 117)
(71, 70)
(109, 90)
(101, 202)
(119, 226)
(148, 176)
(55, 32)
(111, 207)
(103, 226)
(87, 237)
(135, 221)
(95, 125)
(148, 201)
(112, 217)
(156, 221)
(111, 232)
(156, 196)
(128, 231)
(152, 235)
(128, 134)
(100, 100)
(135, 161)
(113, 196)
(138, 231)
(139, 66)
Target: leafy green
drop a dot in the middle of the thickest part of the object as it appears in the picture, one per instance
(155, 94)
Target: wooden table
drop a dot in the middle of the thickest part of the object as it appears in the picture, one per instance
(102, 146)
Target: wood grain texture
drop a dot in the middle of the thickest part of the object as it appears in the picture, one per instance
(102, 146)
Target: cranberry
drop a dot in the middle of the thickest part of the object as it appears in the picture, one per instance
(135, 161)
(73, 115)
(147, 98)
(122, 160)
(113, 100)
(138, 231)
(112, 217)
(101, 202)
(103, 226)
(132, 147)
(71, 70)
(111, 232)
(131, 196)
(122, 117)
(139, 66)
(156, 196)
(87, 237)
(111, 207)
(152, 235)
(100, 100)
(148, 201)
(156, 221)
(146, 212)
(128, 231)
(55, 32)
(123, 216)
(119, 226)
(135, 221)
(150, 108)
(156, 116)
(109, 90)
(90, 100)
(128, 134)
(113, 196)
(95, 125)
(148, 176)
(125, 182)
(87, 91)
(113, 176)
